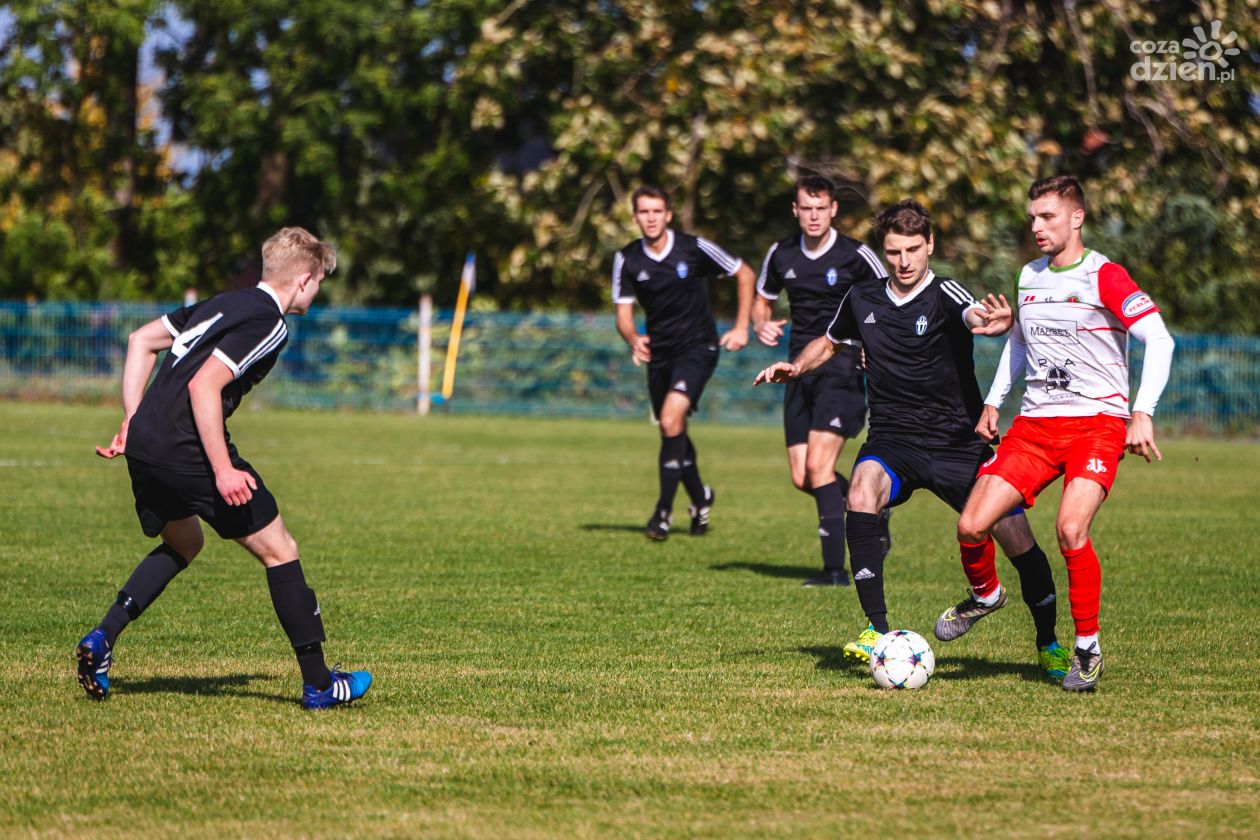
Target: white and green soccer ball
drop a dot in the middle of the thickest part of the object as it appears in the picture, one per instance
(902, 659)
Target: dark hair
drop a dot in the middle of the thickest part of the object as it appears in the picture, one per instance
(814, 185)
(649, 191)
(1064, 186)
(907, 218)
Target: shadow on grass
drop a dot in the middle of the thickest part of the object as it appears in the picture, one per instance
(768, 569)
(977, 668)
(601, 526)
(950, 668)
(833, 659)
(227, 685)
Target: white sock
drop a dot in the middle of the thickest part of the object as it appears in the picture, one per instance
(990, 599)
(1088, 643)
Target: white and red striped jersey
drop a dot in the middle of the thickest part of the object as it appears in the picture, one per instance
(1074, 324)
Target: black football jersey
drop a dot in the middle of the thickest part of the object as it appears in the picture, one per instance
(243, 329)
(920, 376)
(673, 289)
(816, 283)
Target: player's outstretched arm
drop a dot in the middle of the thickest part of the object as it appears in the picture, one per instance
(737, 336)
(639, 344)
(992, 317)
(206, 393)
(777, 372)
(815, 354)
(143, 347)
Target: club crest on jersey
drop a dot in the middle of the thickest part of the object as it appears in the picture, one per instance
(920, 326)
(682, 271)
(1136, 304)
(1073, 297)
(832, 277)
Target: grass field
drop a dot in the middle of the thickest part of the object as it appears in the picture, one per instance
(543, 671)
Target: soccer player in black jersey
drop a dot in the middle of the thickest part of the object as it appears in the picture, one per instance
(916, 331)
(828, 406)
(184, 467)
(668, 273)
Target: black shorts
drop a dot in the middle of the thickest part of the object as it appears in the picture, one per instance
(164, 496)
(823, 402)
(687, 373)
(948, 471)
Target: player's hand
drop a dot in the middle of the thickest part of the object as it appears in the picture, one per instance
(235, 486)
(769, 332)
(1140, 439)
(777, 372)
(987, 428)
(734, 339)
(640, 351)
(995, 316)
(117, 446)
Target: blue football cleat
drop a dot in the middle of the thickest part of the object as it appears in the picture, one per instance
(95, 658)
(346, 687)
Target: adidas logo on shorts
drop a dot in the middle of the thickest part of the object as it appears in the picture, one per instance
(681, 385)
(865, 574)
(835, 423)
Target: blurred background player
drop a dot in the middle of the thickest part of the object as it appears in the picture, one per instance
(1076, 311)
(668, 274)
(916, 331)
(183, 466)
(827, 407)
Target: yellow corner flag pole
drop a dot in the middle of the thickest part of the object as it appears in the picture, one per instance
(467, 282)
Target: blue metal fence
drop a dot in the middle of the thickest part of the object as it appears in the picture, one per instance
(557, 364)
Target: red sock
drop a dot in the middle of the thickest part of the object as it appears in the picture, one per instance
(1084, 587)
(977, 560)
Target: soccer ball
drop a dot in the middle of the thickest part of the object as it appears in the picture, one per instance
(902, 659)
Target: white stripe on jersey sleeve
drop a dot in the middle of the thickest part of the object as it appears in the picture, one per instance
(619, 263)
(170, 328)
(957, 292)
(222, 357)
(271, 342)
(873, 261)
(836, 317)
(761, 279)
(728, 263)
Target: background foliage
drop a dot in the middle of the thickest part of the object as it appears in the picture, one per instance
(410, 133)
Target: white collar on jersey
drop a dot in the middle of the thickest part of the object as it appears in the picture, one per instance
(927, 281)
(824, 248)
(274, 296)
(669, 246)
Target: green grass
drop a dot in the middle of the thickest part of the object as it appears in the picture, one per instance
(542, 670)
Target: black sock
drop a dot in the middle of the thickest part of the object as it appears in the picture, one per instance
(298, 612)
(315, 672)
(868, 566)
(673, 453)
(1037, 586)
(691, 475)
(829, 499)
(146, 583)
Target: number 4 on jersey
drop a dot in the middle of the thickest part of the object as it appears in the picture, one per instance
(188, 339)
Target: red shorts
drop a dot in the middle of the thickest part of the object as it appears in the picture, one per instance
(1037, 450)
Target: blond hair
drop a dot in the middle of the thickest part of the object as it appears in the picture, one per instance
(294, 250)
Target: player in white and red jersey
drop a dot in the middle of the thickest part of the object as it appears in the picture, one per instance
(1076, 311)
